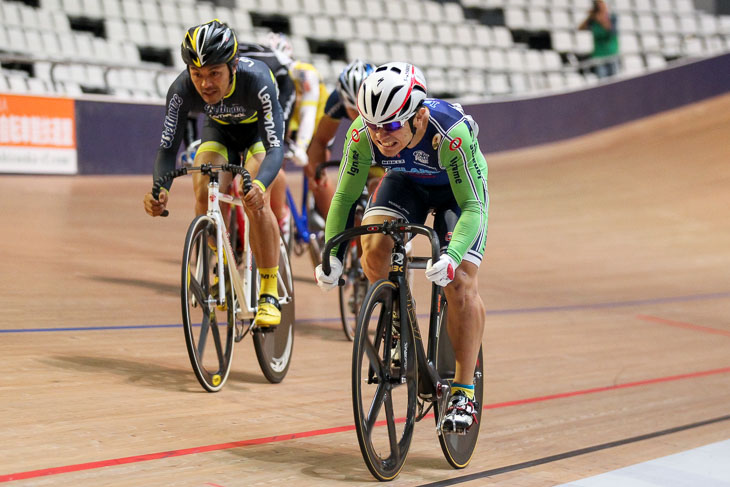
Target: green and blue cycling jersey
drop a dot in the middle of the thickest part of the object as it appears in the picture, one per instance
(448, 155)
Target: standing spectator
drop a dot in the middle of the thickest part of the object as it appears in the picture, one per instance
(602, 23)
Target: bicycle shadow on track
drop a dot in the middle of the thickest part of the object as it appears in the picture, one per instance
(161, 288)
(343, 464)
(145, 374)
(314, 460)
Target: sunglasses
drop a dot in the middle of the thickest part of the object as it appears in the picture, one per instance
(388, 127)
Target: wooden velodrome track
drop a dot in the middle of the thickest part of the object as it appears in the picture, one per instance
(607, 340)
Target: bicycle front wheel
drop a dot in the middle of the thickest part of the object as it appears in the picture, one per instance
(274, 348)
(458, 448)
(352, 293)
(209, 328)
(384, 407)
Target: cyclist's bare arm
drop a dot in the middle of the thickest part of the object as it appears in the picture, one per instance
(317, 151)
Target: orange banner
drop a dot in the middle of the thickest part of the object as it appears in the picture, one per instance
(28, 121)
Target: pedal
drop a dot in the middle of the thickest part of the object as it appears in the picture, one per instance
(263, 329)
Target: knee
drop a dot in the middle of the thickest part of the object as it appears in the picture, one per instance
(462, 292)
(374, 260)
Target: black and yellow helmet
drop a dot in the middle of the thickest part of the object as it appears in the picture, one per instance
(208, 44)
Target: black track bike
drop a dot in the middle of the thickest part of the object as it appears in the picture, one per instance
(395, 381)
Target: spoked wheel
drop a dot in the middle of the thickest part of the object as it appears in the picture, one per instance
(352, 293)
(274, 348)
(384, 408)
(457, 448)
(209, 328)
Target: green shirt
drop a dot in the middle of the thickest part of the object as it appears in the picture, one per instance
(605, 41)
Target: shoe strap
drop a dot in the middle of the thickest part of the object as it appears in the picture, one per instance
(268, 298)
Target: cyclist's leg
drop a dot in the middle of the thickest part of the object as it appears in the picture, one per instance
(395, 197)
(466, 316)
(279, 204)
(265, 247)
(276, 190)
(376, 249)
(212, 150)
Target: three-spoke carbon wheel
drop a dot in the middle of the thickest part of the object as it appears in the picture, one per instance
(384, 384)
(209, 328)
(352, 293)
(458, 449)
(274, 348)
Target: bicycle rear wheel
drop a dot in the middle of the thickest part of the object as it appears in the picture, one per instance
(458, 449)
(379, 397)
(274, 348)
(353, 292)
(208, 328)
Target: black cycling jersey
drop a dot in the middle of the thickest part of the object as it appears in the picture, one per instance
(335, 107)
(284, 81)
(251, 101)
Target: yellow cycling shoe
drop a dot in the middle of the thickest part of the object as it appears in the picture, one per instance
(269, 311)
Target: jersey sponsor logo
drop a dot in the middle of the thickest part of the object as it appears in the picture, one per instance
(416, 172)
(171, 119)
(455, 144)
(392, 162)
(420, 157)
(455, 172)
(269, 124)
(436, 141)
(354, 167)
(448, 236)
(355, 135)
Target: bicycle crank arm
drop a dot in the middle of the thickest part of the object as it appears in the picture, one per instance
(442, 396)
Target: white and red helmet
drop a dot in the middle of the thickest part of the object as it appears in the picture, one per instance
(392, 93)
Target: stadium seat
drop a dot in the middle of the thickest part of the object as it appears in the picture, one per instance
(632, 64)
(655, 61)
(112, 9)
(629, 43)
(92, 8)
(400, 51)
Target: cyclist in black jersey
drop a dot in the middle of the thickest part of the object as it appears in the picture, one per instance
(239, 98)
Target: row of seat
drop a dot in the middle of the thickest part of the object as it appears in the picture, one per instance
(486, 59)
(78, 46)
(537, 19)
(413, 10)
(669, 6)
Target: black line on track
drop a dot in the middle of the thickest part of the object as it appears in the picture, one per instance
(573, 453)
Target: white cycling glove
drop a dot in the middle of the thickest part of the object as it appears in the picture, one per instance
(328, 282)
(442, 272)
(299, 155)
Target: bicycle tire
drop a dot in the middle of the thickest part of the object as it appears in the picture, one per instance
(457, 449)
(352, 293)
(374, 386)
(274, 348)
(209, 343)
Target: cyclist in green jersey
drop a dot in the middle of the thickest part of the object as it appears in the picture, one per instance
(432, 159)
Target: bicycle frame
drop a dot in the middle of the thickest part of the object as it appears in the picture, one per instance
(241, 285)
(435, 388)
(300, 220)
